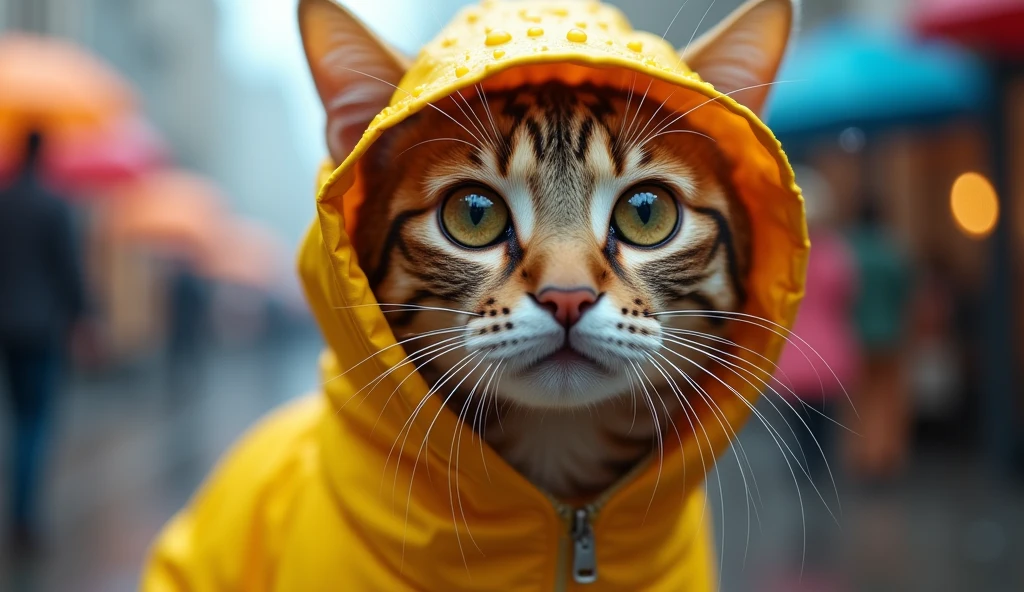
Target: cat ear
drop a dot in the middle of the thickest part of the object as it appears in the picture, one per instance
(354, 71)
(745, 50)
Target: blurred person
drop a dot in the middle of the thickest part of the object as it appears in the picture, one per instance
(881, 314)
(41, 298)
(814, 388)
(187, 338)
(825, 323)
(935, 368)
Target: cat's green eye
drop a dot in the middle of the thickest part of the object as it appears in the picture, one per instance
(474, 216)
(645, 215)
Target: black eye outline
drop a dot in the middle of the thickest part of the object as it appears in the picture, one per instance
(621, 237)
(504, 236)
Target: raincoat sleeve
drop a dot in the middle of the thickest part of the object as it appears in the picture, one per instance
(230, 535)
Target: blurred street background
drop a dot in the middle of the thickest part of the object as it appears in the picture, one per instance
(182, 139)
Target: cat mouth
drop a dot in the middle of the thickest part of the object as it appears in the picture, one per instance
(569, 359)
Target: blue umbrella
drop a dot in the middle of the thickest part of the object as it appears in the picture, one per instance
(844, 74)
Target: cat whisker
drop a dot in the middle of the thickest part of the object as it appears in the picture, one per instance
(622, 120)
(711, 337)
(678, 395)
(414, 337)
(779, 441)
(431, 105)
(777, 329)
(632, 396)
(407, 359)
(480, 414)
(456, 448)
(719, 416)
(636, 115)
(657, 429)
(487, 108)
(670, 132)
(407, 430)
(470, 117)
(446, 350)
(650, 119)
(770, 375)
(418, 144)
(673, 21)
(410, 306)
(426, 436)
(697, 28)
(730, 93)
(736, 369)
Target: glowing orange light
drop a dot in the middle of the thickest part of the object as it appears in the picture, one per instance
(974, 205)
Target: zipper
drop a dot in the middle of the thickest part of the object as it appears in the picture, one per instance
(581, 560)
(584, 561)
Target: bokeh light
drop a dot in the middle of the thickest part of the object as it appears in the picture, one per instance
(974, 205)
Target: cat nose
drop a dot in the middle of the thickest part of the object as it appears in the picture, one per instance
(567, 305)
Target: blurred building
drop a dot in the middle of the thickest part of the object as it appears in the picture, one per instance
(258, 135)
(240, 132)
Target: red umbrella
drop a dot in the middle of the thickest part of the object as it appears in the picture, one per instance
(991, 25)
(248, 254)
(173, 212)
(81, 160)
(118, 152)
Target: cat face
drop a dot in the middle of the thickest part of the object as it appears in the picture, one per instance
(546, 226)
(562, 221)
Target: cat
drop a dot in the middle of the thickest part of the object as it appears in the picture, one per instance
(560, 254)
(566, 218)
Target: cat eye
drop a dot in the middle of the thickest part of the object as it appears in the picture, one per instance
(646, 215)
(474, 216)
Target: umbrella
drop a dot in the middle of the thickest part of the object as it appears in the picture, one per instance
(53, 85)
(993, 25)
(247, 254)
(844, 74)
(172, 212)
(79, 160)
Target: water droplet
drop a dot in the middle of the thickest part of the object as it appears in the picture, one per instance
(603, 25)
(650, 62)
(472, 18)
(461, 71)
(636, 46)
(418, 90)
(449, 42)
(563, 12)
(576, 36)
(544, 48)
(529, 16)
(534, 32)
(497, 37)
(581, 24)
(499, 53)
(488, 29)
(609, 42)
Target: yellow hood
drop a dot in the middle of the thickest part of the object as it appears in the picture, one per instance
(323, 494)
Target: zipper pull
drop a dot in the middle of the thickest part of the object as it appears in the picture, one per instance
(584, 560)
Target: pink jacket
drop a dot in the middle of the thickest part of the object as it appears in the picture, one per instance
(824, 323)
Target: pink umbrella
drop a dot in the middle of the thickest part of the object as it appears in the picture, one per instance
(83, 161)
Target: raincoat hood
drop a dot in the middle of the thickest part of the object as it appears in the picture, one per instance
(420, 504)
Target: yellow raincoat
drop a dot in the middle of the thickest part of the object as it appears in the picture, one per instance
(333, 492)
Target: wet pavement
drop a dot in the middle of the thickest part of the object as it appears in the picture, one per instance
(131, 449)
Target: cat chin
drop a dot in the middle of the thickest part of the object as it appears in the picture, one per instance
(563, 384)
